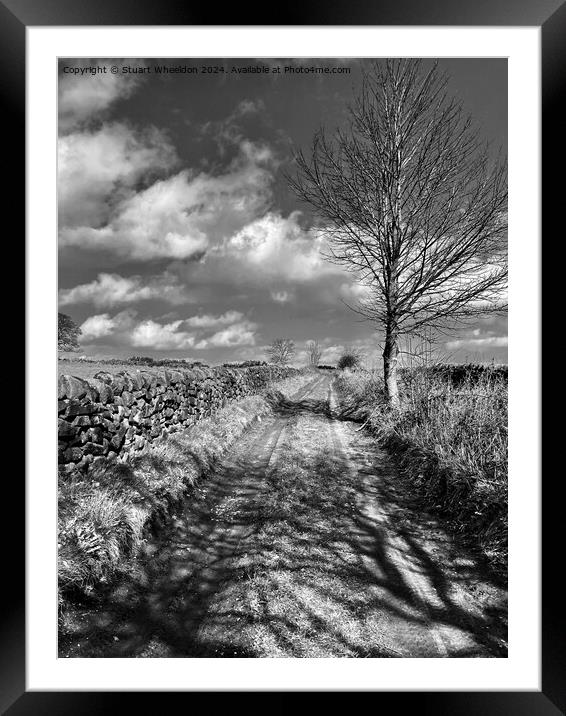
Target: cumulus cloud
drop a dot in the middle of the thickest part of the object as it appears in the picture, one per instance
(279, 247)
(116, 192)
(112, 289)
(151, 334)
(97, 326)
(98, 169)
(83, 97)
(155, 223)
(102, 325)
(179, 334)
(208, 321)
(180, 216)
(239, 334)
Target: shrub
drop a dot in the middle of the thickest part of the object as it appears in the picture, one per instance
(141, 360)
(349, 359)
(459, 374)
(244, 364)
(450, 439)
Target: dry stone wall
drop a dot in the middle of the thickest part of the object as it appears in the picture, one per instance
(112, 415)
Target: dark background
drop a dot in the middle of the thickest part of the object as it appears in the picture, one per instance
(551, 14)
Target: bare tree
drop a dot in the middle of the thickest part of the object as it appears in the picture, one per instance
(281, 351)
(313, 352)
(411, 202)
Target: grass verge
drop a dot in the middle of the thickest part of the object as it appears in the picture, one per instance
(103, 517)
(450, 443)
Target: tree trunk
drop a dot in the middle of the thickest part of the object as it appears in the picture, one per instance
(390, 353)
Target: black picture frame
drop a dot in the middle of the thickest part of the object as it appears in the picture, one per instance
(550, 15)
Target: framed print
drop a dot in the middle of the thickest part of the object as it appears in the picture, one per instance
(288, 384)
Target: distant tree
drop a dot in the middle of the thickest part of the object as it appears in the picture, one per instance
(141, 360)
(68, 333)
(349, 359)
(313, 352)
(281, 351)
(412, 203)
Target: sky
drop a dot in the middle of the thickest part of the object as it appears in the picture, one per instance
(178, 234)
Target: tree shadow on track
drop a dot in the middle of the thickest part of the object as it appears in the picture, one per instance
(282, 561)
(283, 406)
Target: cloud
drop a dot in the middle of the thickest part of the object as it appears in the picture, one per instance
(354, 292)
(249, 106)
(489, 342)
(173, 335)
(86, 96)
(277, 246)
(281, 296)
(97, 326)
(258, 153)
(113, 190)
(150, 334)
(208, 321)
(102, 325)
(239, 334)
(112, 289)
(179, 217)
(229, 132)
(155, 223)
(98, 169)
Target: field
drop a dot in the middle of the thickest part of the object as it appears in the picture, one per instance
(88, 369)
(450, 442)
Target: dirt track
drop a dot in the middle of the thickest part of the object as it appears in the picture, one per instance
(303, 543)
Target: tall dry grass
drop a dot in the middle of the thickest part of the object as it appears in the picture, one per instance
(451, 445)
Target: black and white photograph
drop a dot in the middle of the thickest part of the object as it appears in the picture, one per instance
(282, 357)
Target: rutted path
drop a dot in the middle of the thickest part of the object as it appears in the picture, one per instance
(303, 543)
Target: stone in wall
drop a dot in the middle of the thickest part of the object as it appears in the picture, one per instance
(113, 415)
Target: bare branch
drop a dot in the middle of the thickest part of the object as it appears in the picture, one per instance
(410, 201)
(281, 351)
(314, 352)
